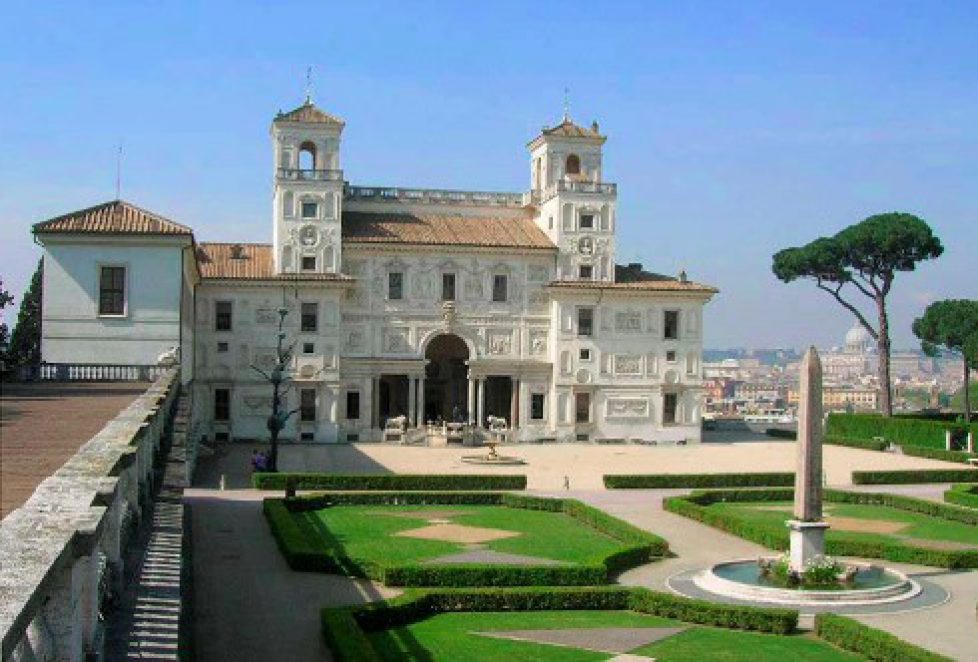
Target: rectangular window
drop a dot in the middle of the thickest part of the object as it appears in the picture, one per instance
(310, 317)
(395, 286)
(222, 315)
(669, 403)
(587, 221)
(222, 404)
(307, 404)
(308, 348)
(582, 407)
(310, 210)
(670, 325)
(222, 347)
(353, 405)
(585, 272)
(308, 263)
(536, 406)
(112, 291)
(499, 288)
(585, 322)
(448, 287)
(585, 354)
(671, 356)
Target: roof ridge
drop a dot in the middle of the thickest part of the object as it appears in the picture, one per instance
(113, 210)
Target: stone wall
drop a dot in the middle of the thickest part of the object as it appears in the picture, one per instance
(63, 550)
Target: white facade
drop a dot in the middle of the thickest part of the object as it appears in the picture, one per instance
(427, 304)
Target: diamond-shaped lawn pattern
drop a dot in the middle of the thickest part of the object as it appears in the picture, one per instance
(457, 533)
(602, 640)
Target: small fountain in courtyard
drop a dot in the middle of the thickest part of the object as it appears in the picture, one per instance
(497, 435)
(805, 575)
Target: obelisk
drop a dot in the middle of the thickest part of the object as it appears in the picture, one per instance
(807, 527)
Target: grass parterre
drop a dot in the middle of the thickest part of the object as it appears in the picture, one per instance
(457, 539)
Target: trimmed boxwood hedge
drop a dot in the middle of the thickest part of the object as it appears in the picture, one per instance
(915, 476)
(937, 453)
(327, 481)
(851, 635)
(852, 442)
(345, 628)
(637, 546)
(654, 481)
(963, 495)
(909, 430)
(781, 433)
(694, 507)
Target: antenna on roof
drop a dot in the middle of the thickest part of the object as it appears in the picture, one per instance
(566, 104)
(118, 172)
(308, 86)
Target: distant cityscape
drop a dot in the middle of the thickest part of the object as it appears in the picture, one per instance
(761, 385)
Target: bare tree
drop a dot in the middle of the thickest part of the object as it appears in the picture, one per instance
(279, 377)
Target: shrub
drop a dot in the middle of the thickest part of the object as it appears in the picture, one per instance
(776, 537)
(667, 605)
(326, 481)
(655, 481)
(914, 431)
(875, 644)
(913, 476)
(637, 546)
(963, 495)
(938, 454)
(344, 637)
(864, 444)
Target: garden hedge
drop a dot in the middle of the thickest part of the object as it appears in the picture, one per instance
(852, 442)
(345, 628)
(654, 481)
(851, 635)
(781, 433)
(963, 495)
(776, 537)
(915, 476)
(937, 453)
(914, 431)
(637, 546)
(327, 481)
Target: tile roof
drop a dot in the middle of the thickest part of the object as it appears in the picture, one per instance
(567, 129)
(667, 285)
(442, 230)
(309, 113)
(115, 217)
(230, 261)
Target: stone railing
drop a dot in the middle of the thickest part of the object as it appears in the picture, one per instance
(571, 186)
(84, 372)
(309, 175)
(434, 196)
(61, 553)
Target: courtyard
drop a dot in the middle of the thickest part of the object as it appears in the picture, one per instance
(236, 558)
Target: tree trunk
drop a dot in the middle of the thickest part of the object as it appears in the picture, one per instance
(967, 392)
(886, 401)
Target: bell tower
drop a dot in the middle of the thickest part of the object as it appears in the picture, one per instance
(308, 200)
(575, 207)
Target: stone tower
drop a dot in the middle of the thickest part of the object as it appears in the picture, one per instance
(576, 208)
(308, 200)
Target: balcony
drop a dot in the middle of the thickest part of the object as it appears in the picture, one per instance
(570, 186)
(303, 175)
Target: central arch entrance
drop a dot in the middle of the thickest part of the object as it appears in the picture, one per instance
(446, 379)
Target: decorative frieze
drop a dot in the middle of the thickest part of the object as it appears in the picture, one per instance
(628, 364)
(628, 321)
(627, 408)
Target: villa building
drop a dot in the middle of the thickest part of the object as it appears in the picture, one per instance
(433, 305)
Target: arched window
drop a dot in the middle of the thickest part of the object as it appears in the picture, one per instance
(573, 165)
(307, 156)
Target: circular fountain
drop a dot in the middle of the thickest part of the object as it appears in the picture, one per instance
(492, 458)
(750, 579)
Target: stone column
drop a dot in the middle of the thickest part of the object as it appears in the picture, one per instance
(481, 405)
(807, 527)
(971, 442)
(412, 401)
(470, 403)
(421, 412)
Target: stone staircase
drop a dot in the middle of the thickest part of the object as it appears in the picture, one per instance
(148, 621)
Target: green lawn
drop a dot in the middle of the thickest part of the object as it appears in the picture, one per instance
(918, 526)
(449, 636)
(366, 533)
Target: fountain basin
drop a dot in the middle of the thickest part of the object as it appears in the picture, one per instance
(490, 460)
(742, 579)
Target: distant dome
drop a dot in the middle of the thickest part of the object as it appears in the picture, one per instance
(858, 340)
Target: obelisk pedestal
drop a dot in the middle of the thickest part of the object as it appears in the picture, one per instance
(807, 528)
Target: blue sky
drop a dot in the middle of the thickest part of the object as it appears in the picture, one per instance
(735, 129)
